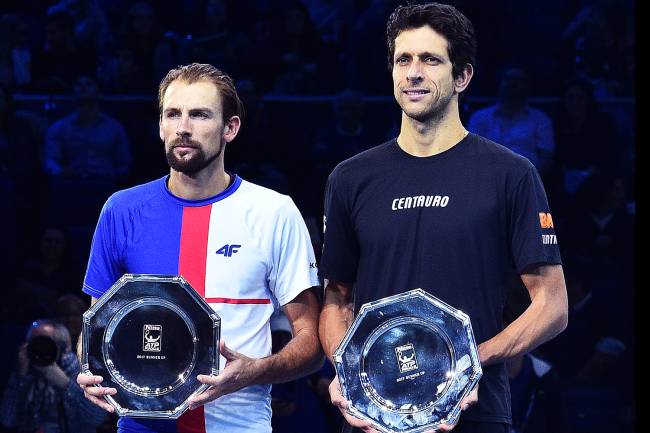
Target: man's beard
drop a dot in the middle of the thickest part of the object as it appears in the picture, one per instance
(196, 162)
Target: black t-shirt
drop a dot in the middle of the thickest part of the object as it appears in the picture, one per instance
(457, 224)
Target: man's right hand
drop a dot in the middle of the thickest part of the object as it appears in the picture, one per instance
(95, 393)
(342, 404)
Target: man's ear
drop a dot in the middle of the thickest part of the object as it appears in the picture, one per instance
(231, 128)
(462, 81)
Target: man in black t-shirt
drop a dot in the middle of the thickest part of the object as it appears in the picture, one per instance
(445, 210)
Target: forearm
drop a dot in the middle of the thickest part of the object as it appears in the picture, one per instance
(303, 354)
(544, 318)
(336, 316)
(300, 357)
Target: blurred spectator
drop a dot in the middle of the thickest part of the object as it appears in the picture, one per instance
(601, 229)
(600, 35)
(514, 124)
(87, 143)
(259, 56)
(300, 47)
(121, 72)
(332, 19)
(21, 135)
(90, 25)
(255, 162)
(15, 52)
(69, 310)
(142, 47)
(586, 139)
(591, 358)
(60, 60)
(212, 40)
(41, 394)
(86, 152)
(366, 66)
(349, 132)
(49, 274)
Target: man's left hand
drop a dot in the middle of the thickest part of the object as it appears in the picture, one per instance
(239, 372)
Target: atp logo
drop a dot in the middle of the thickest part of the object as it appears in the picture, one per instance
(151, 338)
(228, 250)
(406, 359)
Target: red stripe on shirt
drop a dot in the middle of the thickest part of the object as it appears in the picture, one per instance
(191, 265)
(194, 246)
(192, 421)
(236, 301)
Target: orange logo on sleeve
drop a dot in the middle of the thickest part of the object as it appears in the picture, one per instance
(545, 220)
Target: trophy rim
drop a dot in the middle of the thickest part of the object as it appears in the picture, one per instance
(473, 372)
(215, 337)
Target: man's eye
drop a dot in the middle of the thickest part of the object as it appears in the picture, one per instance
(172, 114)
(401, 61)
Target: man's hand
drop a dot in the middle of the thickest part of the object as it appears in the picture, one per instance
(95, 393)
(239, 372)
(342, 404)
(469, 401)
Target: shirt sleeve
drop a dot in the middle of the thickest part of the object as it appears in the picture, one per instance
(531, 231)
(340, 257)
(294, 263)
(104, 263)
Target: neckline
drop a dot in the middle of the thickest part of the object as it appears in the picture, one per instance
(438, 156)
(230, 190)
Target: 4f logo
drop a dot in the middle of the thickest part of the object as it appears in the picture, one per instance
(406, 358)
(151, 338)
(228, 250)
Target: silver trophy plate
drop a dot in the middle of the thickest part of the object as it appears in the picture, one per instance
(149, 336)
(407, 362)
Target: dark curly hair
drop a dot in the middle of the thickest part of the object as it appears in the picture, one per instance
(444, 19)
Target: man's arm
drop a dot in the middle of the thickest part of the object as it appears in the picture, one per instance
(337, 315)
(335, 319)
(300, 357)
(303, 354)
(544, 318)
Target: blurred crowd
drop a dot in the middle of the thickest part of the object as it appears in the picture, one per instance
(78, 120)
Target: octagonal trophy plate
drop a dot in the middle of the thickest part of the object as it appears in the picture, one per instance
(149, 336)
(407, 362)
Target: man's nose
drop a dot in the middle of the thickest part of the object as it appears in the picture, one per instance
(415, 71)
(183, 129)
